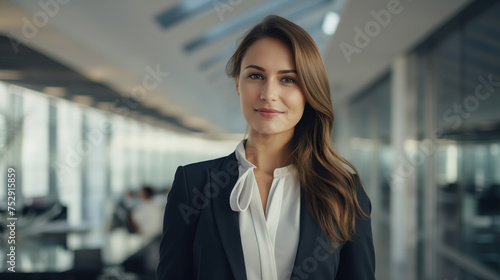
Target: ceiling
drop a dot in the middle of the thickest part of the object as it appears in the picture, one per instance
(115, 45)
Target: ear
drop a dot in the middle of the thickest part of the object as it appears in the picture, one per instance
(236, 79)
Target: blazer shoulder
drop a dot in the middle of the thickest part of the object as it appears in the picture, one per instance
(203, 166)
(361, 195)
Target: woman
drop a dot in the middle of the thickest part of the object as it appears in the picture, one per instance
(283, 205)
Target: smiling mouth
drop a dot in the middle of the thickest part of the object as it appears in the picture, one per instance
(268, 113)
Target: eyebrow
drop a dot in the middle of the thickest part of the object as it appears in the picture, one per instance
(263, 70)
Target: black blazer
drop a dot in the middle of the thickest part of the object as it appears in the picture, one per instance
(201, 236)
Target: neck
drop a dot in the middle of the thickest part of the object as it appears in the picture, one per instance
(267, 151)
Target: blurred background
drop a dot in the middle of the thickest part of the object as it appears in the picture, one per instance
(100, 101)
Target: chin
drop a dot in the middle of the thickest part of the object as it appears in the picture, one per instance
(270, 130)
(265, 130)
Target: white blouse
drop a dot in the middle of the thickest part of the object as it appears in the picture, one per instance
(269, 242)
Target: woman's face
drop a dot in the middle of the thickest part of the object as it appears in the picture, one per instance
(271, 100)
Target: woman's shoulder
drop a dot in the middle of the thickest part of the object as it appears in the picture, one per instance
(205, 165)
(361, 195)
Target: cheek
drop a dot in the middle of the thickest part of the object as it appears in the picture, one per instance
(249, 88)
(296, 102)
(248, 95)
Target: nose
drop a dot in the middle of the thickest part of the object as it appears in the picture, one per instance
(269, 91)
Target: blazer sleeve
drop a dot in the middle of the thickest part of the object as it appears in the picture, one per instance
(357, 257)
(176, 247)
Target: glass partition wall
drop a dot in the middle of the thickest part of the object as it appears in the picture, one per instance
(74, 164)
(454, 107)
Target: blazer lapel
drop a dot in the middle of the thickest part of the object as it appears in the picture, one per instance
(222, 180)
(309, 230)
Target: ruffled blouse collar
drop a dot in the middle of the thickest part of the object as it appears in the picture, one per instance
(241, 194)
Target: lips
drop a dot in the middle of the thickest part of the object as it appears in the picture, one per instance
(268, 113)
(268, 110)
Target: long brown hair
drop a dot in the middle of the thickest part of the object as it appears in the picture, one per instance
(329, 188)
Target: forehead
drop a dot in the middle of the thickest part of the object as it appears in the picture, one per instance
(269, 53)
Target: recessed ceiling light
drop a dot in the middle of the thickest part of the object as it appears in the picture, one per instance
(106, 106)
(10, 75)
(55, 91)
(330, 23)
(83, 99)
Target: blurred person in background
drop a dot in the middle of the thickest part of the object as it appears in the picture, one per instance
(122, 215)
(147, 216)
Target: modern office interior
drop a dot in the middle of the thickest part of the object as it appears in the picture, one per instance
(101, 101)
